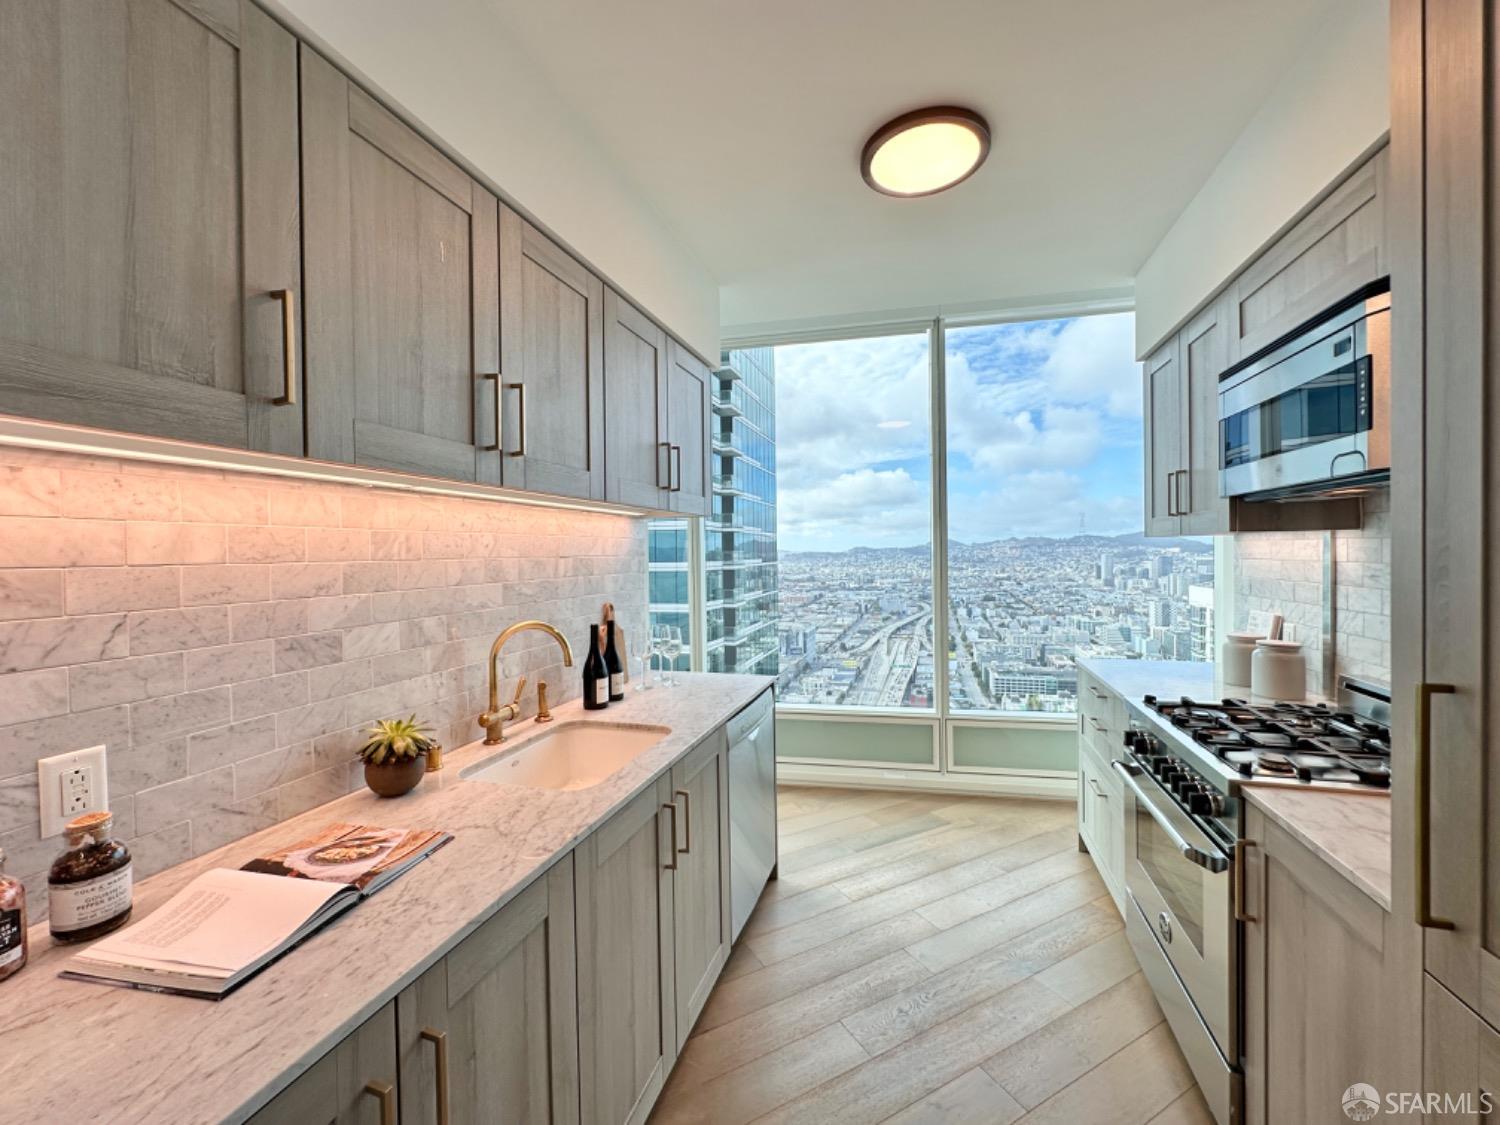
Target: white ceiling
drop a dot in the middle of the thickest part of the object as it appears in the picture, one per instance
(741, 121)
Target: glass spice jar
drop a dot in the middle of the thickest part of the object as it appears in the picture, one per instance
(13, 947)
(89, 888)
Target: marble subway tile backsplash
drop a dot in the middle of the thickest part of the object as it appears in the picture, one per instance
(1282, 572)
(229, 637)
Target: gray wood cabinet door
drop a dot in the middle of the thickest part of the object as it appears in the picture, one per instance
(1203, 355)
(1444, 551)
(689, 409)
(402, 280)
(638, 459)
(489, 1035)
(1161, 374)
(1337, 247)
(353, 1084)
(148, 153)
(700, 885)
(627, 1033)
(1320, 964)
(551, 406)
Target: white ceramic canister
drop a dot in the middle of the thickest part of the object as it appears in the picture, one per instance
(1278, 670)
(1234, 658)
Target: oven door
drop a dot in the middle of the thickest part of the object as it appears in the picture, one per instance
(1182, 880)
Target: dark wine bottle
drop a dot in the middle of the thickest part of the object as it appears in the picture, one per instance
(613, 666)
(595, 675)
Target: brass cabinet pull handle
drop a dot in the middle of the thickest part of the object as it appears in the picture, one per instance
(288, 301)
(687, 819)
(439, 1041)
(677, 451)
(668, 447)
(1171, 491)
(672, 808)
(1184, 507)
(520, 389)
(1425, 917)
(386, 1093)
(1240, 848)
(494, 377)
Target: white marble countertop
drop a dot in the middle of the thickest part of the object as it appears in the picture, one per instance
(1168, 679)
(1351, 832)
(88, 1052)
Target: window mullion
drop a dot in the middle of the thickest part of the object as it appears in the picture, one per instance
(938, 422)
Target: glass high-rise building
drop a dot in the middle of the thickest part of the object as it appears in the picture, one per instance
(739, 534)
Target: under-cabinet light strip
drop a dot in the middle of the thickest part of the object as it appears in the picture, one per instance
(28, 434)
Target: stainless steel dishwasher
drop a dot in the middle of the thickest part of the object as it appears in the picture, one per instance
(752, 807)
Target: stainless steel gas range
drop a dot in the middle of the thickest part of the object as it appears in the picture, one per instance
(1184, 764)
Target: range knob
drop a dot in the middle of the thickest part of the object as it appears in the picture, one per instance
(1200, 802)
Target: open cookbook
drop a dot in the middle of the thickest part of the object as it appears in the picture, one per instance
(227, 925)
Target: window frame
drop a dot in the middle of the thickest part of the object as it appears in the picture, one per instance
(942, 716)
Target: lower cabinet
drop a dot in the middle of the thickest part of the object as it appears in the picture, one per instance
(627, 1024)
(1461, 1063)
(700, 884)
(1101, 797)
(1319, 980)
(1101, 822)
(490, 1033)
(353, 1084)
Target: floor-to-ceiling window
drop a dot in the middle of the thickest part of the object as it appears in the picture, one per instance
(1046, 562)
(1031, 473)
(854, 464)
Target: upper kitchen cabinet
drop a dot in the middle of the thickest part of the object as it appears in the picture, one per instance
(638, 456)
(402, 279)
(1201, 356)
(549, 412)
(1162, 439)
(1336, 249)
(149, 245)
(689, 405)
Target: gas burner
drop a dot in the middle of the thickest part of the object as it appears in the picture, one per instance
(1308, 742)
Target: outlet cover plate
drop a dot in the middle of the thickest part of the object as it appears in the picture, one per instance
(58, 784)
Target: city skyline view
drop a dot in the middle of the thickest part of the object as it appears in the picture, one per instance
(1045, 558)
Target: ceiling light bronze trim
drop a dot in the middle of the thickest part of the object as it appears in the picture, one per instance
(931, 115)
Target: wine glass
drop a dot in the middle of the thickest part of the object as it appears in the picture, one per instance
(642, 658)
(658, 653)
(672, 649)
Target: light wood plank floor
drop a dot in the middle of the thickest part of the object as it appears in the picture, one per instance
(931, 959)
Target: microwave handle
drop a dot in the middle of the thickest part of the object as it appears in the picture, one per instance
(1216, 862)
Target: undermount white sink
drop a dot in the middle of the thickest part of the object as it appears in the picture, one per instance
(574, 755)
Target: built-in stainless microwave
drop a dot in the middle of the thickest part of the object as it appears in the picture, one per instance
(1312, 415)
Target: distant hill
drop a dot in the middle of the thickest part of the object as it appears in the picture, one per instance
(1078, 542)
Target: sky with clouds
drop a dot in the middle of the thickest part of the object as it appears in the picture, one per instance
(1044, 435)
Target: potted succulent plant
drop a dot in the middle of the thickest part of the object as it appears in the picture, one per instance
(395, 755)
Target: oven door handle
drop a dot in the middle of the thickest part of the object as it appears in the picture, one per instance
(1215, 862)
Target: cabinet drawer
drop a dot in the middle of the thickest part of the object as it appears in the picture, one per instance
(1102, 713)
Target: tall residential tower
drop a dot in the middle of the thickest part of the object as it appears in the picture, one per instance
(739, 545)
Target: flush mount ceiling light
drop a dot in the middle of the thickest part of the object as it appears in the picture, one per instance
(925, 151)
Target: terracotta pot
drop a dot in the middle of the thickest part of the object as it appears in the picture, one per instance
(395, 779)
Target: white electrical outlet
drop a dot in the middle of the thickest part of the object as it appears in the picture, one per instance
(71, 785)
